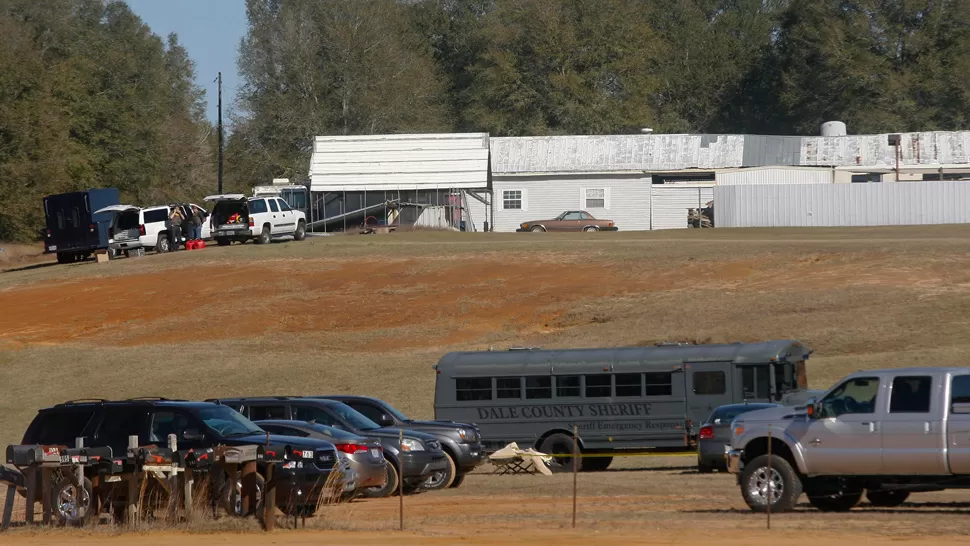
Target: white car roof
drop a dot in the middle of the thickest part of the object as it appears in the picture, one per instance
(116, 208)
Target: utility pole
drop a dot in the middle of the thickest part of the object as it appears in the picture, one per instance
(220, 132)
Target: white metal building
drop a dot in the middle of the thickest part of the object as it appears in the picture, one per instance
(398, 178)
(774, 175)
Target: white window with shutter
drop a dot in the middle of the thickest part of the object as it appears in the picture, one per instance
(594, 198)
(514, 200)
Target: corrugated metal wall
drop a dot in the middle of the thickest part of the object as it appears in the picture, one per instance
(772, 175)
(543, 197)
(816, 205)
(671, 201)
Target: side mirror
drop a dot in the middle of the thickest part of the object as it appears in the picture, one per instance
(385, 420)
(192, 434)
(812, 408)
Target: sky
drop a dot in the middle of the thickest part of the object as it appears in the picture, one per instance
(210, 30)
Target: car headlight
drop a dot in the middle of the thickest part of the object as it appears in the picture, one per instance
(467, 435)
(408, 444)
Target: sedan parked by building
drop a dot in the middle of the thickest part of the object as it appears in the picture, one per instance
(715, 433)
(571, 220)
(365, 455)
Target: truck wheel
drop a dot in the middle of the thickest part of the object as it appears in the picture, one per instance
(64, 258)
(785, 484)
(71, 503)
(162, 244)
(887, 499)
(459, 479)
(233, 503)
(389, 487)
(263, 238)
(443, 478)
(839, 502)
(300, 232)
(562, 446)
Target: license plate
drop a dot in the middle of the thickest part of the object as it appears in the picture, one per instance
(52, 247)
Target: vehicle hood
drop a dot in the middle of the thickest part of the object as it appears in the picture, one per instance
(798, 398)
(771, 414)
(438, 425)
(394, 432)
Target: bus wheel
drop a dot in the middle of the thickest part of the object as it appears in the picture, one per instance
(560, 447)
(597, 464)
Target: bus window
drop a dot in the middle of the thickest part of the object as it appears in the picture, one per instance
(755, 382)
(567, 386)
(784, 377)
(709, 383)
(629, 384)
(659, 384)
(598, 386)
(538, 387)
(473, 388)
(508, 387)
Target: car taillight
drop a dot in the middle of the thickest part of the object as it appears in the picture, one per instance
(252, 223)
(707, 432)
(351, 449)
(141, 229)
(48, 233)
(92, 228)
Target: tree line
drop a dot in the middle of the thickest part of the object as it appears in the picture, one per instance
(89, 97)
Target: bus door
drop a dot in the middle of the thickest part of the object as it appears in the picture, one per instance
(708, 385)
(752, 383)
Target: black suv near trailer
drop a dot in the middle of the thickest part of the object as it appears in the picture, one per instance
(419, 455)
(196, 425)
(461, 442)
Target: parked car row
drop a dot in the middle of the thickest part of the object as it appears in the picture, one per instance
(373, 460)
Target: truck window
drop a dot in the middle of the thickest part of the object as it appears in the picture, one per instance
(468, 389)
(710, 382)
(61, 428)
(567, 386)
(508, 387)
(263, 413)
(537, 388)
(784, 377)
(853, 396)
(960, 390)
(629, 384)
(273, 206)
(119, 425)
(257, 206)
(155, 215)
(309, 413)
(911, 394)
(60, 219)
(658, 384)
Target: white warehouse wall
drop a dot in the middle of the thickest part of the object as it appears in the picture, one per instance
(774, 175)
(627, 198)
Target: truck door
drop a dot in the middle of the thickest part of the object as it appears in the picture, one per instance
(844, 438)
(913, 440)
(752, 383)
(958, 425)
(709, 385)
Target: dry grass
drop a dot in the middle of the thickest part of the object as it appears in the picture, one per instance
(370, 315)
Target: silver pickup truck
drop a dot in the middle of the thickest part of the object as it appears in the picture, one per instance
(882, 433)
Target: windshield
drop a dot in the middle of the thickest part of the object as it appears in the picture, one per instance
(397, 414)
(354, 417)
(227, 421)
(334, 433)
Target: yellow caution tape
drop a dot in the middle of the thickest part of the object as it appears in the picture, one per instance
(670, 454)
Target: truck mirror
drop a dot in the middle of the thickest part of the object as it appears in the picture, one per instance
(811, 408)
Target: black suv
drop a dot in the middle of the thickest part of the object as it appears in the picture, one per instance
(196, 425)
(462, 442)
(420, 456)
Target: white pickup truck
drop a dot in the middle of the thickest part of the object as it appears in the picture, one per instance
(882, 433)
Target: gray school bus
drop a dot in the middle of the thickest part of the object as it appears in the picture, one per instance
(620, 399)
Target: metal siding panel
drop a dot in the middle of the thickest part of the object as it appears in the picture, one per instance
(550, 195)
(871, 204)
(670, 204)
(774, 175)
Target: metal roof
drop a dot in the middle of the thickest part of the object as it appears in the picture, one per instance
(660, 152)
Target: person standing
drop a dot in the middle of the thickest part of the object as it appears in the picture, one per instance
(197, 220)
(175, 229)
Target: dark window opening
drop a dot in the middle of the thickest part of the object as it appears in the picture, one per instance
(709, 383)
(911, 394)
(629, 384)
(508, 387)
(567, 386)
(659, 384)
(468, 389)
(538, 388)
(598, 386)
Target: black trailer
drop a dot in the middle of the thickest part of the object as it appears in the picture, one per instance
(73, 231)
(629, 399)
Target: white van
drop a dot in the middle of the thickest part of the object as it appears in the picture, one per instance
(133, 227)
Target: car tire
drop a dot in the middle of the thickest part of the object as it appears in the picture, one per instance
(537, 229)
(233, 507)
(887, 499)
(65, 258)
(264, 236)
(223, 242)
(704, 468)
(389, 488)
(300, 232)
(561, 444)
(596, 464)
(754, 487)
(839, 502)
(162, 244)
(443, 478)
(459, 479)
(71, 503)
(590, 228)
